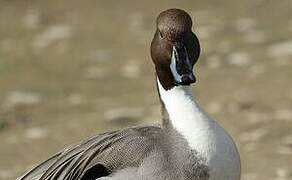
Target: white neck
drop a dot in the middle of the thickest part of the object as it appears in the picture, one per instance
(202, 133)
(185, 115)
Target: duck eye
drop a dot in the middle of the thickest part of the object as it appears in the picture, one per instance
(160, 34)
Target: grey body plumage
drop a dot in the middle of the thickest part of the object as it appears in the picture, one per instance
(135, 153)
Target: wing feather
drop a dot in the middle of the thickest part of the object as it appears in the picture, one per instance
(97, 156)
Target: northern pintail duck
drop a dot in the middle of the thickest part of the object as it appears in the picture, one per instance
(189, 145)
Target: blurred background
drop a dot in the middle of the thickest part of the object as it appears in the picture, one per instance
(71, 69)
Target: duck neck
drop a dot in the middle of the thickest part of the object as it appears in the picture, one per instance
(203, 135)
(181, 112)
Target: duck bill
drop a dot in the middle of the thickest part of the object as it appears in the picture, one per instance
(181, 66)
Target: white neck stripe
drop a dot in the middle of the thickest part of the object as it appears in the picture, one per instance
(202, 133)
(185, 114)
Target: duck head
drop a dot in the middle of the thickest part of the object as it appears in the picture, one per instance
(174, 49)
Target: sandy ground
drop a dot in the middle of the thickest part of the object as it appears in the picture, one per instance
(70, 69)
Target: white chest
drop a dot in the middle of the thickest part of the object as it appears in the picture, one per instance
(214, 145)
(203, 134)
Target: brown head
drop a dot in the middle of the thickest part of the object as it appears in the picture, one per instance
(174, 49)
